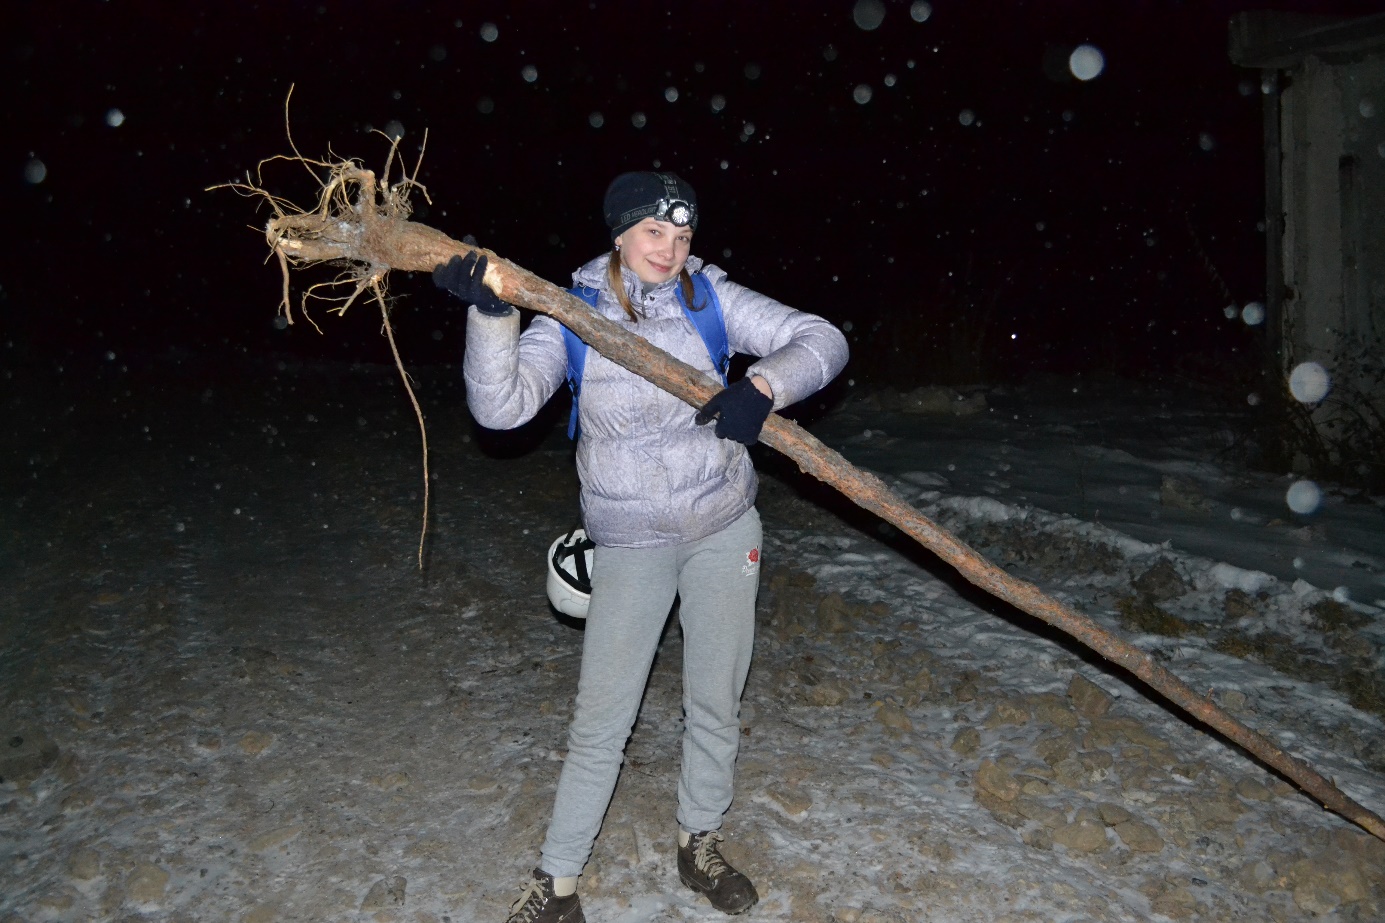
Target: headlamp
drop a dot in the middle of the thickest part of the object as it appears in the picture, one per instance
(676, 212)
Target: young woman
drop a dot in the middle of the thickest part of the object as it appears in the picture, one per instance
(669, 503)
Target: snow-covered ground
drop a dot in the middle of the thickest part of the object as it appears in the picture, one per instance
(230, 694)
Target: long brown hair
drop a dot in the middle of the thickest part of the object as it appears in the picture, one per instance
(617, 286)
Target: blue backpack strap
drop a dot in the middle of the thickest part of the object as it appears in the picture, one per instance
(576, 357)
(710, 323)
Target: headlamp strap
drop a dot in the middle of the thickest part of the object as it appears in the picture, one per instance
(670, 186)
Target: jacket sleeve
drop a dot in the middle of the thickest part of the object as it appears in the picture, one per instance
(511, 375)
(800, 352)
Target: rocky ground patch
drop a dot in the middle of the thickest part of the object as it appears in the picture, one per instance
(230, 694)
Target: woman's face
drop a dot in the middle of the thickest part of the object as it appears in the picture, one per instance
(655, 250)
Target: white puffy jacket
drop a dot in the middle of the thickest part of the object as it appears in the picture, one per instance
(650, 476)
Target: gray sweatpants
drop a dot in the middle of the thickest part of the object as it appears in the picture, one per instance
(717, 579)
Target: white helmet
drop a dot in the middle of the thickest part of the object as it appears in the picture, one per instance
(570, 573)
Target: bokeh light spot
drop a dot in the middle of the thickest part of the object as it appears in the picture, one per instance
(1303, 497)
(1309, 382)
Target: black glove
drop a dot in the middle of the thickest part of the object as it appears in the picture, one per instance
(740, 412)
(462, 276)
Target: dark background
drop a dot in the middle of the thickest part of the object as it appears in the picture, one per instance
(1098, 227)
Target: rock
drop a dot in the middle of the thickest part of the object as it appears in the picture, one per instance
(59, 901)
(1315, 899)
(1181, 494)
(274, 837)
(1038, 838)
(1175, 902)
(1083, 835)
(1003, 811)
(84, 864)
(835, 615)
(1007, 712)
(1088, 698)
(1329, 615)
(1321, 876)
(1190, 771)
(77, 799)
(1238, 604)
(481, 783)
(783, 578)
(1352, 645)
(792, 799)
(387, 892)
(893, 717)
(996, 781)
(1041, 813)
(265, 913)
(936, 399)
(1056, 711)
(391, 781)
(256, 742)
(967, 741)
(784, 617)
(1161, 582)
(25, 752)
(1143, 737)
(1215, 812)
(827, 693)
(1251, 790)
(1053, 750)
(1143, 615)
(1361, 847)
(966, 689)
(147, 883)
(1233, 700)
(922, 682)
(1112, 814)
(1139, 836)
(1099, 740)
(1070, 773)
(1257, 876)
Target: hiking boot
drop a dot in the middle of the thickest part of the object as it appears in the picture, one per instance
(702, 868)
(539, 905)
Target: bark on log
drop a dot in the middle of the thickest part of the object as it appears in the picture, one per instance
(385, 242)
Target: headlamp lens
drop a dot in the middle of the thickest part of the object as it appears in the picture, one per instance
(676, 212)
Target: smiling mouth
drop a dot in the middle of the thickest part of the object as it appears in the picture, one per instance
(660, 267)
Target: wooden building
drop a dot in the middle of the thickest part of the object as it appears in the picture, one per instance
(1323, 84)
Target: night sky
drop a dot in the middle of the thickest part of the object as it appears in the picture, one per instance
(982, 213)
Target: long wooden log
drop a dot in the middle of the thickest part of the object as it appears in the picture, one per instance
(382, 241)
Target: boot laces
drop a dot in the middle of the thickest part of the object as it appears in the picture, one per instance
(531, 902)
(706, 857)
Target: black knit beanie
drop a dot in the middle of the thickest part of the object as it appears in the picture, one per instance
(632, 197)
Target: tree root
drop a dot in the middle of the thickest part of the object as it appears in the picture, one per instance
(347, 185)
(364, 222)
